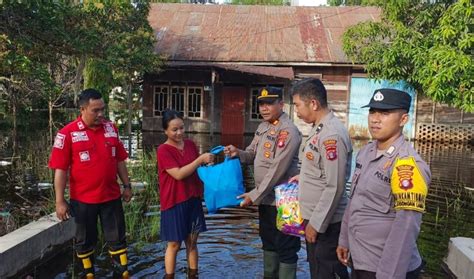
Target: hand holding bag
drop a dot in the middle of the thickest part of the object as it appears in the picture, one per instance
(223, 182)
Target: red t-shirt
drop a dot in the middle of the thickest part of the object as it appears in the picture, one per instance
(174, 191)
(92, 157)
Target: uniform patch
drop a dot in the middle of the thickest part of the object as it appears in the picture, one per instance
(282, 136)
(79, 136)
(113, 151)
(331, 149)
(408, 185)
(267, 154)
(84, 156)
(109, 131)
(310, 156)
(267, 145)
(59, 141)
(80, 125)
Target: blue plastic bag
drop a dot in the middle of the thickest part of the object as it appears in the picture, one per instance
(223, 182)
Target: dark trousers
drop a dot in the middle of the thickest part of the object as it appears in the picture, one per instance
(363, 274)
(112, 221)
(286, 246)
(322, 257)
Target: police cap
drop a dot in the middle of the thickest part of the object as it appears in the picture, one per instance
(387, 98)
(269, 94)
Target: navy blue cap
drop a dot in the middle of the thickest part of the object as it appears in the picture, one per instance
(269, 94)
(387, 98)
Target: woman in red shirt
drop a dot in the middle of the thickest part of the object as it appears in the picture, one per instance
(182, 217)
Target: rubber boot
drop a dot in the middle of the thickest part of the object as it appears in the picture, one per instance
(87, 260)
(192, 273)
(287, 271)
(120, 263)
(271, 264)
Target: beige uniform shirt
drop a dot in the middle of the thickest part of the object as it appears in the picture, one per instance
(325, 169)
(274, 153)
(380, 226)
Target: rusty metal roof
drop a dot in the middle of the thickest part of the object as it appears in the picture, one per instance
(263, 34)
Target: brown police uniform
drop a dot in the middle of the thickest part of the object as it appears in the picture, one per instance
(383, 217)
(274, 153)
(325, 169)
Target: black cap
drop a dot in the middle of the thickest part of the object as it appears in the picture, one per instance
(269, 94)
(387, 98)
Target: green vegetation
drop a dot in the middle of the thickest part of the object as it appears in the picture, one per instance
(428, 44)
(51, 50)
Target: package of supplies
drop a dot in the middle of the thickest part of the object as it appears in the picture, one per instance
(223, 182)
(289, 219)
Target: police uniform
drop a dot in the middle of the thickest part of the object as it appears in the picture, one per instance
(91, 156)
(274, 153)
(325, 169)
(382, 220)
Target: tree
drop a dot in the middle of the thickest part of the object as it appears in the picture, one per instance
(54, 49)
(429, 45)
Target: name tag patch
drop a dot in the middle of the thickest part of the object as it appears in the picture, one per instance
(79, 136)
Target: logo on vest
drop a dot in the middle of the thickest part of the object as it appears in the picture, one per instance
(84, 156)
(79, 136)
(378, 97)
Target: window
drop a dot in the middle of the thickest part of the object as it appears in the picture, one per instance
(184, 99)
(254, 113)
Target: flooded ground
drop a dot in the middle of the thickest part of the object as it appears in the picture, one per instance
(231, 247)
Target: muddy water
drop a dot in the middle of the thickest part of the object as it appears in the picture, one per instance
(231, 247)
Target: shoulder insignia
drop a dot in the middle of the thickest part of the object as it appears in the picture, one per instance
(59, 141)
(331, 149)
(408, 185)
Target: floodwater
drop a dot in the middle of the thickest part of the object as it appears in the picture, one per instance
(231, 246)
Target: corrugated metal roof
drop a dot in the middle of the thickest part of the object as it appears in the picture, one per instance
(272, 34)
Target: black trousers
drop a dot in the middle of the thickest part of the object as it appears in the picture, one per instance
(111, 219)
(363, 274)
(286, 246)
(322, 257)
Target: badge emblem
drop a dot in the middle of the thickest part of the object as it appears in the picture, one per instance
(331, 149)
(59, 141)
(79, 136)
(405, 174)
(267, 154)
(378, 96)
(267, 145)
(84, 156)
(310, 156)
(80, 125)
(264, 93)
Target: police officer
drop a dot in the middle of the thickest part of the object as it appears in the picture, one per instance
(90, 150)
(389, 187)
(325, 169)
(274, 153)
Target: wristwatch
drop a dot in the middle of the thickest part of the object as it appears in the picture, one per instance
(127, 186)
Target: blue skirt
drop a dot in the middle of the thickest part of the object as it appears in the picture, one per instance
(183, 219)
